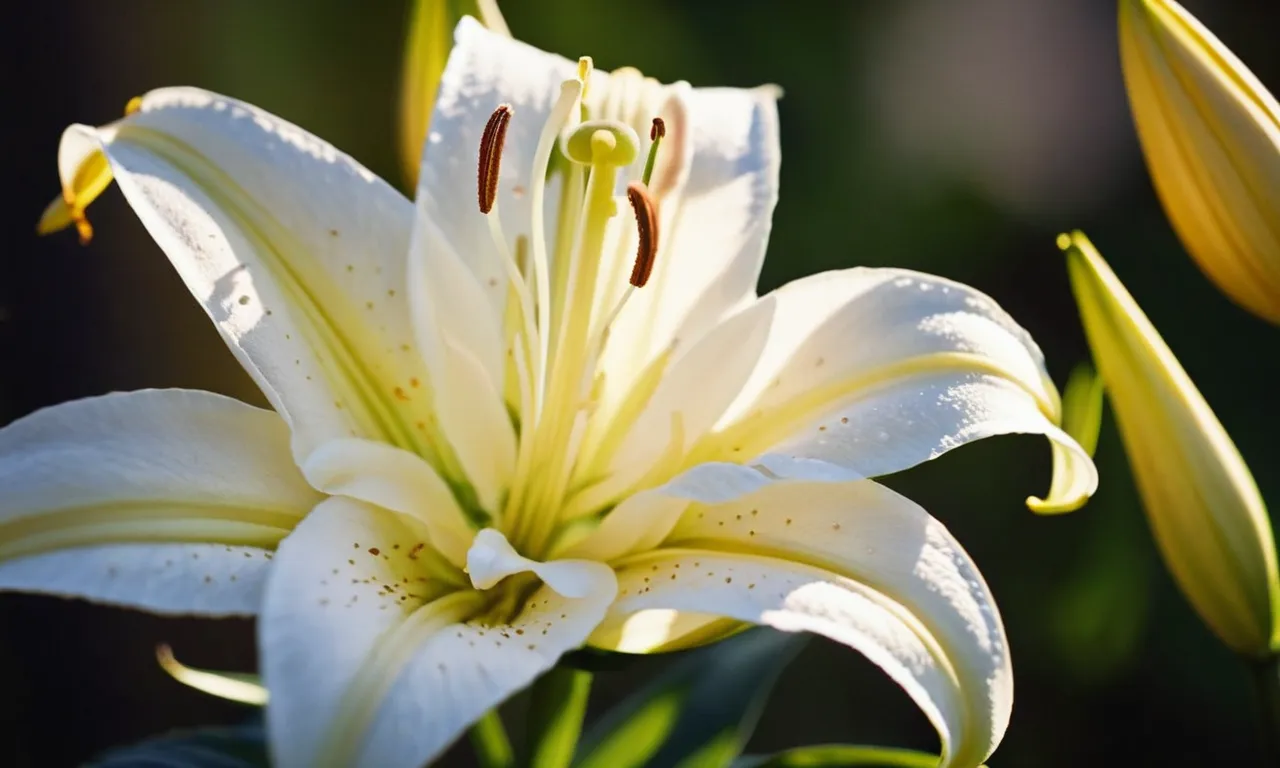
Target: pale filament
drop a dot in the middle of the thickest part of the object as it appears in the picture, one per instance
(556, 368)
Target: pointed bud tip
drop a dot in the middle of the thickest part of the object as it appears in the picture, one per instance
(56, 217)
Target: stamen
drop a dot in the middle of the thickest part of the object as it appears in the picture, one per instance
(491, 142)
(647, 227)
(522, 254)
(656, 134)
(585, 67)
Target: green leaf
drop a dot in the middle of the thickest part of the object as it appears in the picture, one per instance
(242, 746)
(556, 709)
(700, 713)
(1082, 406)
(490, 741)
(834, 755)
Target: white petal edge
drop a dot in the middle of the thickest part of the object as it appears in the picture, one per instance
(393, 479)
(867, 372)
(158, 499)
(296, 252)
(210, 580)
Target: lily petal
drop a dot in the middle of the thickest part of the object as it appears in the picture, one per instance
(296, 252)
(860, 531)
(714, 231)
(464, 352)
(492, 558)
(868, 533)
(794, 597)
(365, 668)
(693, 394)
(393, 479)
(486, 69)
(165, 500)
(643, 520)
(934, 365)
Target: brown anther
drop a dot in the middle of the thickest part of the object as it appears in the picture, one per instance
(647, 226)
(658, 130)
(495, 135)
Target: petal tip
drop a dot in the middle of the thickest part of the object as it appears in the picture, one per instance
(1056, 507)
(55, 218)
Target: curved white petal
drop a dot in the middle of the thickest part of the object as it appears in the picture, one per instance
(464, 351)
(212, 580)
(714, 229)
(692, 395)
(296, 252)
(879, 538)
(348, 574)
(393, 479)
(492, 558)
(854, 562)
(159, 499)
(485, 70)
(871, 371)
(369, 662)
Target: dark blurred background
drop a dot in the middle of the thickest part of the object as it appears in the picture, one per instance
(956, 138)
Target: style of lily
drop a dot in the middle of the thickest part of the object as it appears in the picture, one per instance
(515, 419)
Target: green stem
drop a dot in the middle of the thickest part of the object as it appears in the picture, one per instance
(556, 711)
(1266, 677)
(489, 737)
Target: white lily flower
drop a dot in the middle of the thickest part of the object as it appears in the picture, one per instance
(523, 450)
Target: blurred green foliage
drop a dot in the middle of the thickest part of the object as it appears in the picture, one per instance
(952, 138)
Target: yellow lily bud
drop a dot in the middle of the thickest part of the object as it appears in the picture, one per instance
(1204, 508)
(1211, 135)
(430, 40)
